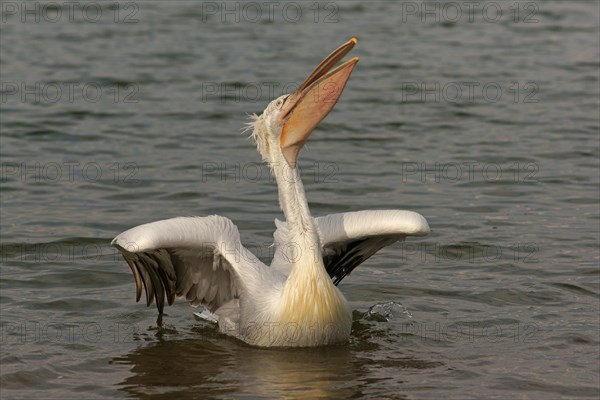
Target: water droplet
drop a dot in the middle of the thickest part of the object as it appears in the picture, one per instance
(386, 311)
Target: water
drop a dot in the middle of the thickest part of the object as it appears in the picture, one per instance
(487, 128)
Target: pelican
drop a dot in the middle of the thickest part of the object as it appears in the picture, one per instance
(295, 301)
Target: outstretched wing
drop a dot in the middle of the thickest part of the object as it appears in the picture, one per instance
(348, 239)
(198, 258)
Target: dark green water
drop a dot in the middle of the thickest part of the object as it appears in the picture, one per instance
(486, 124)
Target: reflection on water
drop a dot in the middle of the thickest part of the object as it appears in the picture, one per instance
(192, 366)
(224, 366)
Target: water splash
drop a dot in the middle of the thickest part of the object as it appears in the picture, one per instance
(383, 312)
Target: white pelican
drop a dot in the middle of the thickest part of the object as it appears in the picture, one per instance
(295, 301)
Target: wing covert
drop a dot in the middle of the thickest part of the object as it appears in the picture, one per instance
(191, 257)
(348, 239)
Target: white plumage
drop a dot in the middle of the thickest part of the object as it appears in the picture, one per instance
(294, 301)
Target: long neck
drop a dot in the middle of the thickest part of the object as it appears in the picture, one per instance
(303, 237)
(309, 298)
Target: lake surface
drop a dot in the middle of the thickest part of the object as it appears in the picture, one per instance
(485, 120)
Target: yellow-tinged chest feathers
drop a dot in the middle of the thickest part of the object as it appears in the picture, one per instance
(314, 309)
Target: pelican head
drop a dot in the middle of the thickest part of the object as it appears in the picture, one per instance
(287, 122)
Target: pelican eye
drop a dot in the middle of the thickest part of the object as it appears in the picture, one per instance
(281, 102)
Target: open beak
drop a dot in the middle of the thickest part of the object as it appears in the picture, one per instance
(304, 109)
